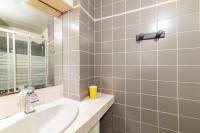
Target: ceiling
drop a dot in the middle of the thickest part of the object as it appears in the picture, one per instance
(18, 14)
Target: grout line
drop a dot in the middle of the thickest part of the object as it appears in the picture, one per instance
(147, 65)
(160, 96)
(139, 9)
(101, 84)
(158, 111)
(125, 74)
(126, 12)
(88, 39)
(157, 72)
(109, 4)
(81, 7)
(140, 73)
(148, 124)
(177, 69)
(94, 80)
(134, 25)
(111, 45)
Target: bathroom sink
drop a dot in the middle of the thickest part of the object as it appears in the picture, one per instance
(49, 118)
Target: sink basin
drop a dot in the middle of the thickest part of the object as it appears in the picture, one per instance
(49, 118)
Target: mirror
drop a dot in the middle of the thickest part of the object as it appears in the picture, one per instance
(24, 41)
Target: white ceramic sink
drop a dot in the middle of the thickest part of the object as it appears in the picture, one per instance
(49, 118)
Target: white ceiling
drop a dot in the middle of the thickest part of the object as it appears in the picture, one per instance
(18, 14)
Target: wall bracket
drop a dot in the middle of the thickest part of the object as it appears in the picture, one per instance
(147, 36)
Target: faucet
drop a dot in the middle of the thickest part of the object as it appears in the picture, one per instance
(30, 98)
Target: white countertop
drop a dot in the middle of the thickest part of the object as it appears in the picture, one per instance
(90, 112)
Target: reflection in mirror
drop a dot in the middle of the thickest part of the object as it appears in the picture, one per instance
(6, 63)
(38, 63)
(22, 59)
(24, 42)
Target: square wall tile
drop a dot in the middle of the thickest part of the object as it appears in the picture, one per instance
(119, 33)
(189, 91)
(189, 74)
(98, 25)
(119, 84)
(149, 72)
(168, 121)
(119, 110)
(167, 57)
(149, 102)
(133, 58)
(132, 126)
(97, 3)
(106, 2)
(148, 15)
(119, 97)
(119, 21)
(133, 72)
(167, 11)
(149, 87)
(161, 130)
(133, 113)
(189, 56)
(132, 85)
(187, 6)
(189, 125)
(107, 24)
(188, 23)
(167, 73)
(132, 18)
(106, 83)
(133, 99)
(132, 31)
(189, 108)
(147, 2)
(169, 42)
(106, 71)
(149, 58)
(119, 46)
(118, 124)
(148, 128)
(119, 7)
(107, 35)
(118, 59)
(106, 59)
(168, 105)
(106, 47)
(119, 71)
(106, 10)
(132, 4)
(132, 45)
(98, 13)
(148, 45)
(149, 117)
(168, 89)
(189, 39)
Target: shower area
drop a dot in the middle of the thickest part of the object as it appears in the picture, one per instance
(23, 61)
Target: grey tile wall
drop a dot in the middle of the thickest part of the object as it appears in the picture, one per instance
(71, 50)
(86, 44)
(155, 82)
(78, 49)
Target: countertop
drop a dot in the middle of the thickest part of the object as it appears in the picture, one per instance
(90, 112)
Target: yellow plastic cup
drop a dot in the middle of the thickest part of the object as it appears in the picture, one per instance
(93, 92)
